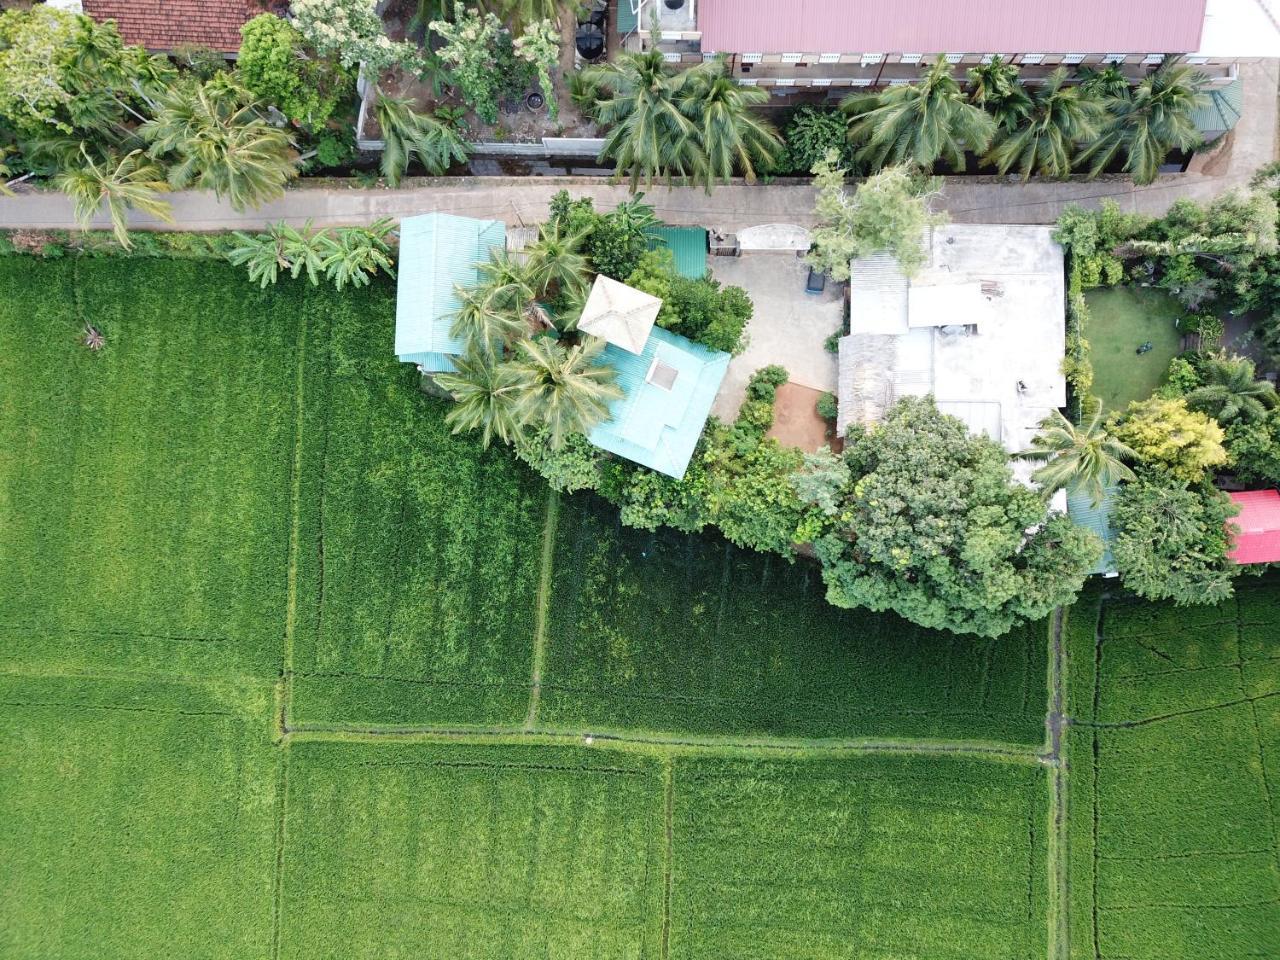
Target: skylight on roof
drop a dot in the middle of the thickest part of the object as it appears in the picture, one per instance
(661, 375)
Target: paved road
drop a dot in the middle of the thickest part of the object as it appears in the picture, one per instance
(522, 200)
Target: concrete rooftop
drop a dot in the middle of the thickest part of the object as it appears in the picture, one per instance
(981, 327)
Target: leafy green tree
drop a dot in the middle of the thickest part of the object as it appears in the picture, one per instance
(274, 66)
(889, 213)
(1150, 123)
(485, 323)
(615, 241)
(824, 481)
(1166, 435)
(470, 46)
(1172, 541)
(1254, 449)
(809, 134)
(355, 255)
(555, 263)
(487, 397)
(213, 138)
(1083, 457)
(732, 137)
(698, 309)
(1228, 391)
(121, 182)
(920, 123)
(649, 136)
(566, 389)
(995, 87)
(407, 134)
(520, 14)
(1058, 118)
(937, 530)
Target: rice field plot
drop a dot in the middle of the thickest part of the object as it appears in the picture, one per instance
(915, 858)
(144, 487)
(471, 853)
(137, 819)
(668, 632)
(419, 556)
(1175, 766)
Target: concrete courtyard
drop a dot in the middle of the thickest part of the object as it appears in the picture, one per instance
(788, 327)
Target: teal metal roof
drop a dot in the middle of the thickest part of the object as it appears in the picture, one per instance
(1081, 510)
(627, 18)
(688, 245)
(1221, 110)
(438, 253)
(654, 426)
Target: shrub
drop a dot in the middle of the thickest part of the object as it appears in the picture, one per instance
(810, 133)
(352, 31)
(1171, 438)
(828, 406)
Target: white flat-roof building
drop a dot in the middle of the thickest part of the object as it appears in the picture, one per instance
(981, 327)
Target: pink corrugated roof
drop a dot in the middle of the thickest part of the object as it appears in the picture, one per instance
(951, 26)
(1259, 521)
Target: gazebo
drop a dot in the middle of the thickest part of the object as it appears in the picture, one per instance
(619, 315)
(438, 254)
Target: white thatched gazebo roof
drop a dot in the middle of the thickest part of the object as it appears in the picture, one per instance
(619, 314)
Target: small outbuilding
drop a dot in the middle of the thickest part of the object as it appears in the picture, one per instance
(1259, 524)
(439, 253)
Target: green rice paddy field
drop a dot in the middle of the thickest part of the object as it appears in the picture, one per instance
(288, 671)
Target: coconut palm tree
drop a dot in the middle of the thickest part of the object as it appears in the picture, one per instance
(216, 141)
(1109, 83)
(485, 323)
(995, 87)
(1045, 143)
(1228, 391)
(566, 389)
(1082, 457)
(121, 182)
(919, 123)
(506, 278)
(487, 394)
(1152, 121)
(555, 263)
(732, 137)
(639, 101)
(407, 134)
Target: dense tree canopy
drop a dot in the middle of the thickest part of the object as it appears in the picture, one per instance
(935, 529)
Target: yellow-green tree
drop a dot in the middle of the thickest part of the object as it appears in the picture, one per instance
(1165, 434)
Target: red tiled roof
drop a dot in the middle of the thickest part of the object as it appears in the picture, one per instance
(951, 26)
(166, 24)
(1259, 521)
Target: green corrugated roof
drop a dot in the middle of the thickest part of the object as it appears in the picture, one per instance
(688, 245)
(1221, 111)
(1083, 512)
(651, 425)
(438, 253)
(627, 17)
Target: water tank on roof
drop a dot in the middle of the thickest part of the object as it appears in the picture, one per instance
(589, 39)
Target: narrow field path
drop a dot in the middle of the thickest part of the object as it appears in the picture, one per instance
(543, 606)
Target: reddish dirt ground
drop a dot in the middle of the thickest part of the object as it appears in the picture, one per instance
(795, 419)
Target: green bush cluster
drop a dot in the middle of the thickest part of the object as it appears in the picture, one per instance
(615, 241)
(698, 309)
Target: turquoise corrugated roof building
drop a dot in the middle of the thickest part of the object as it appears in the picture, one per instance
(438, 253)
(688, 246)
(1081, 510)
(1222, 108)
(667, 392)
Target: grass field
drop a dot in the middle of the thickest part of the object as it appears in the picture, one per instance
(1120, 320)
(290, 672)
(1174, 776)
(674, 633)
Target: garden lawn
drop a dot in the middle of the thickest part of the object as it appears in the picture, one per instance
(1173, 797)
(137, 819)
(1120, 320)
(420, 550)
(471, 853)
(916, 858)
(669, 632)
(144, 489)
